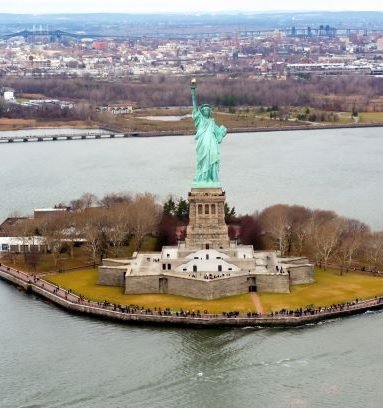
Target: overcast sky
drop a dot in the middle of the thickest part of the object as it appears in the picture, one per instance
(147, 6)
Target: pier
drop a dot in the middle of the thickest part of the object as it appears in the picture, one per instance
(61, 137)
(74, 303)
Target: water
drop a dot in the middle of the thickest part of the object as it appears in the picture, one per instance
(168, 118)
(338, 170)
(52, 359)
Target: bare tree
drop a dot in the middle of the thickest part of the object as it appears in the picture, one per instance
(87, 200)
(112, 199)
(51, 228)
(276, 223)
(326, 230)
(374, 250)
(25, 231)
(92, 224)
(298, 221)
(145, 214)
(353, 235)
(119, 224)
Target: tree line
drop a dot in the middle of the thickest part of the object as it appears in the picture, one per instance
(327, 93)
(322, 236)
(105, 226)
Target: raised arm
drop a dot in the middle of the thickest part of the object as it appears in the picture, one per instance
(193, 88)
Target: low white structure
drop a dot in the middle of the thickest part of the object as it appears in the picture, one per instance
(7, 94)
(22, 244)
(206, 273)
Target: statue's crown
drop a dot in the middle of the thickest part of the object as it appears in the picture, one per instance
(205, 105)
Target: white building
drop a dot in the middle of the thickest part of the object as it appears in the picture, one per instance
(8, 94)
(22, 244)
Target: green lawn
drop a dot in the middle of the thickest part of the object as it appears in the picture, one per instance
(371, 117)
(329, 288)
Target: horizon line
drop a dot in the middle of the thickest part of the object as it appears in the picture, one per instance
(201, 12)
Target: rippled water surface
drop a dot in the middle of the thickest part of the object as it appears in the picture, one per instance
(49, 358)
(340, 170)
(53, 359)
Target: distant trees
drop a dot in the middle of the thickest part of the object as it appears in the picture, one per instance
(318, 116)
(51, 111)
(3, 107)
(338, 93)
(87, 200)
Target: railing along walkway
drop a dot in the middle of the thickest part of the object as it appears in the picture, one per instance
(73, 302)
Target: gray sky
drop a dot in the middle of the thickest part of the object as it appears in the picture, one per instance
(147, 6)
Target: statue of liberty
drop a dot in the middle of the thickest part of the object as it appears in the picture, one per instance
(208, 138)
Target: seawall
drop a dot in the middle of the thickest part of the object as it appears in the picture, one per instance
(75, 304)
(259, 129)
(123, 133)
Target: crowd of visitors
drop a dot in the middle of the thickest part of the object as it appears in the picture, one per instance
(156, 311)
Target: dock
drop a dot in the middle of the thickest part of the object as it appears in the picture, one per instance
(61, 137)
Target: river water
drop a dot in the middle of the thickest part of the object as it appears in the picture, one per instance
(52, 359)
(49, 358)
(340, 170)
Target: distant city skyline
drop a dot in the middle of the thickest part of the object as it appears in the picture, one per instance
(157, 6)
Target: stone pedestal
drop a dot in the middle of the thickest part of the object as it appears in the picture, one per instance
(207, 228)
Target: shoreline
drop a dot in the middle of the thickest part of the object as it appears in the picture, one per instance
(106, 132)
(255, 129)
(72, 303)
(170, 132)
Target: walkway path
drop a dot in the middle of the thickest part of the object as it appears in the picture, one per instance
(135, 314)
(257, 302)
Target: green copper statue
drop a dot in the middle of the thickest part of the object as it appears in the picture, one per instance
(208, 138)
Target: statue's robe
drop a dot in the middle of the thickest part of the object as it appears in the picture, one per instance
(208, 138)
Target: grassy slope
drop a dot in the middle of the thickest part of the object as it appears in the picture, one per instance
(330, 288)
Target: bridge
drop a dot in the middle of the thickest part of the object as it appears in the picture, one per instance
(321, 31)
(58, 137)
(51, 34)
(111, 133)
